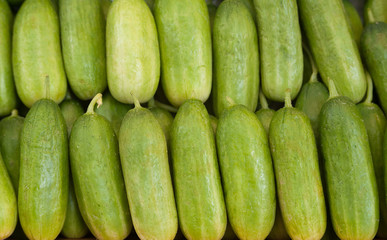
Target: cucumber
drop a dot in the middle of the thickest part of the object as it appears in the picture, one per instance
(250, 207)
(375, 11)
(36, 53)
(133, 58)
(82, 26)
(98, 181)
(214, 123)
(375, 123)
(144, 159)
(235, 44)
(7, 87)
(299, 185)
(250, 6)
(373, 45)
(185, 46)
(265, 114)
(164, 118)
(44, 171)
(71, 110)
(198, 190)
(354, 20)
(334, 50)
(280, 47)
(350, 177)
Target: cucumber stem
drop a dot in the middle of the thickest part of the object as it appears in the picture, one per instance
(97, 99)
(263, 100)
(313, 77)
(370, 88)
(47, 85)
(165, 107)
(332, 89)
(14, 113)
(136, 102)
(288, 98)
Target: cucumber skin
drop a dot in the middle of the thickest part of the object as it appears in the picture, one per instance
(82, 25)
(280, 48)
(44, 171)
(244, 157)
(235, 43)
(265, 116)
(373, 45)
(144, 159)
(165, 120)
(185, 45)
(354, 20)
(7, 87)
(71, 110)
(334, 50)
(36, 53)
(375, 123)
(299, 190)
(198, 190)
(8, 203)
(98, 181)
(375, 11)
(133, 58)
(349, 170)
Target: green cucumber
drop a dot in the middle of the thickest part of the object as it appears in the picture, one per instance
(185, 46)
(265, 114)
(7, 87)
(375, 11)
(354, 20)
(82, 26)
(373, 45)
(250, 207)
(280, 47)
(71, 110)
(44, 171)
(198, 190)
(36, 53)
(351, 184)
(98, 181)
(214, 123)
(133, 58)
(164, 118)
(235, 43)
(144, 159)
(250, 6)
(334, 50)
(375, 123)
(299, 185)
(10, 130)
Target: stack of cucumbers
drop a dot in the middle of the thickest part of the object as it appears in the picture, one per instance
(193, 119)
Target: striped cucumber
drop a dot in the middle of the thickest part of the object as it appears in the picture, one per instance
(354, 20)
(375, 11)
(71, 110)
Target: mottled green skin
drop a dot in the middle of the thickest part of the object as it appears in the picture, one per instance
(7, 87)
(164, 118)
(351, 184)
(375, 11)
(98, 181)
(44, 171)
(112, 110)
(373, 45)
(185, 45)
(144, 159)
(298, 180)
(133, 57)
(280, 48)
(71, 110)
(312, 97)
(198, 190)
(334, 50)
(265, 116)
(8, 203)
(235, 43)
(247, 172)
(354, 20)
(375, 123)
(82, 26)
(36, 53)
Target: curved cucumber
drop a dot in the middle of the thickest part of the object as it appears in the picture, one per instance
(280, 47)
(375, 11)
(98, 181)
(250, 207)
(198, 189)
(235, 44)
(164, 118)
(36, 53)
(7, 87)
(44, 171)
(71, 111)
(185, 45)
(82, 26)
(133, 58)
(354, 20)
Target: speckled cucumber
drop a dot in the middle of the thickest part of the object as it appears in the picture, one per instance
(98, 181)
(198, 190)
(235, 43)
(144, 159)
(71, 110)
(36, 53)
(7, 89)
(334, 50)
(185, 45)
(375, 11)
(280, 48)
(44, 171)
(300, 191)
(354, 20)
(133, 58)
(351, 184)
